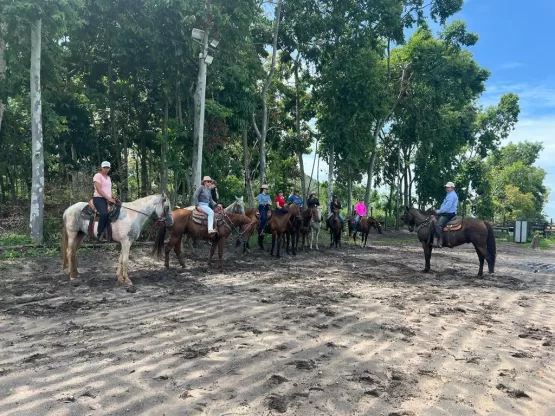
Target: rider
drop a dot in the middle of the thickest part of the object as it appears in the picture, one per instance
(102, 195)
(335, 204)
(312, 201)
(295, 198)
(214, 192)
(264, 204)
(446, 212)
(360, 211)
(202, 199)
(279, 200)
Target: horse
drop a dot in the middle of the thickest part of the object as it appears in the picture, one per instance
(335, 229)
(279, 224)
(372, 223)
(125, 230)
(364, 229)
(472, 230)
(183, 223)
(293, 233)
(254, 215)
(238, 207)
(311, 222)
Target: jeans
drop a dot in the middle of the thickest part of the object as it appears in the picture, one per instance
(340, 216)
(101, 206)
(357, 220)
(263, 218)
(444, 218)
(208, 211)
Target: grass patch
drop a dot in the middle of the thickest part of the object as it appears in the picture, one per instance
(547, 242)
(14, 240)
(28, 252)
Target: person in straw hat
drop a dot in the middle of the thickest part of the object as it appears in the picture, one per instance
(446, 212)
(203, 201)
(264, 204)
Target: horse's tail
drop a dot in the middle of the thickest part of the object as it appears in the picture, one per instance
(63, 244)
(491, 246)
(159, 242)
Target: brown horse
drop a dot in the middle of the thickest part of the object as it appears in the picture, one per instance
(477, 232)
(282, 223)
(183, 223)
(372, 223)
(335, 229)
(364, 229)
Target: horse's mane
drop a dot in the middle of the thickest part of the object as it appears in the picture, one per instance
(142, 201)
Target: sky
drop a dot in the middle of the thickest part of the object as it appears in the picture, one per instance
(515, 45)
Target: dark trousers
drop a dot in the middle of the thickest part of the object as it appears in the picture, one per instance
(263, 218)
(443, 219)
(101, 206)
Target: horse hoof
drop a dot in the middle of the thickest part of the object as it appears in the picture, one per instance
(74, 282)
(426, 271)
(131, 289)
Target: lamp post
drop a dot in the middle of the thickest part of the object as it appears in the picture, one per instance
(201, 37)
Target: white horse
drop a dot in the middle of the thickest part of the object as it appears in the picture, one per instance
(315, 226)
(125, 230)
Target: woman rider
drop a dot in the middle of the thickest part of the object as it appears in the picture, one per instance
(264, 204)
(102, 195)
(203, 201)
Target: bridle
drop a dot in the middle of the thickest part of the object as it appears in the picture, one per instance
(161, 218)
(229, 224)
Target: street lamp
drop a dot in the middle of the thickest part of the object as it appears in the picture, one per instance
(201, 37)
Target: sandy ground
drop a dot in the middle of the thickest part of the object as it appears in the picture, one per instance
(335, 332)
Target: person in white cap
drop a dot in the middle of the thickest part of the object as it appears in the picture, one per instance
(102, 195)
(446, 212)
(203, 201)
(264, 204)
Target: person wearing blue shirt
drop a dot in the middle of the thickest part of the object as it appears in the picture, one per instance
(264, 205)
(446, 212)
(295, 198)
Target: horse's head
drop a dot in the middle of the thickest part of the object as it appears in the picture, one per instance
(162, 209)
(294, 209)
(239, 207)
(408, 219)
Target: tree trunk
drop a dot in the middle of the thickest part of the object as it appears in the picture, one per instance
(264, 131)
(125, 165)
(198, 131)
(164, 151)
(349, 195)
(37, 152)
(298, 127)
(246, 164)
(137, 174)
(369, 173)
(331, 163)
(113, 128)
(144, 166)
(74, 175)
(2, 70)
(406, 184)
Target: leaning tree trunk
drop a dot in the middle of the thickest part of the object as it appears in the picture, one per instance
(246, 164)
(164, 151)
(37, 149)
(2, 70)
(331, 163)
(262, 133)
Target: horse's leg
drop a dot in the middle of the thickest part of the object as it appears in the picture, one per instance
(317, 234)
(70, 253)
(427, 256)
(221, 244)
(288, 241)
(212, 250)
(280, 238)
(177, 251)
(79, 237)
(481, 258)
(124, 278)
(273, 243)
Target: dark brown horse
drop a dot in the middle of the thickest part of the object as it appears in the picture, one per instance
(364, 230)
(335, 229)
(283, 223)
(477, 232)
(372, 223)
(183, 223)
(254, 215)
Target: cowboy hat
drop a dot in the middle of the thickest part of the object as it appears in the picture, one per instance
(206, 178)
(449, 185)
(264, 187)
(105, 164)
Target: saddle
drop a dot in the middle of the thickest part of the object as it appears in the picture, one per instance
(90, 213)
(200, 217)
(453, 225)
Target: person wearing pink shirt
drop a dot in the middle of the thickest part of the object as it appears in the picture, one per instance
(102, 195)
(360, 210)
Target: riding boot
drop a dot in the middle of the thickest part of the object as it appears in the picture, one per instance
(438, 237)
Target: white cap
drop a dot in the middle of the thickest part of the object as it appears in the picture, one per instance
(105, 164)
(449, 185)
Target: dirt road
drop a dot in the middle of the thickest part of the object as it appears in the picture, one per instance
(335, 332)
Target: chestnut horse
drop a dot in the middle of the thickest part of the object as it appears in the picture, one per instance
(183, 224)
(283, 223)
(364, 230)
(477, 232)
(125, 230)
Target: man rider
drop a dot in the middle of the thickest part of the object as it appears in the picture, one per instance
(446, 212)
(335, 204)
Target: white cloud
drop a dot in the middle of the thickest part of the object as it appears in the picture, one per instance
(511, 65)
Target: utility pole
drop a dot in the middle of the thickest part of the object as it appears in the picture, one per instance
(199, 100)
